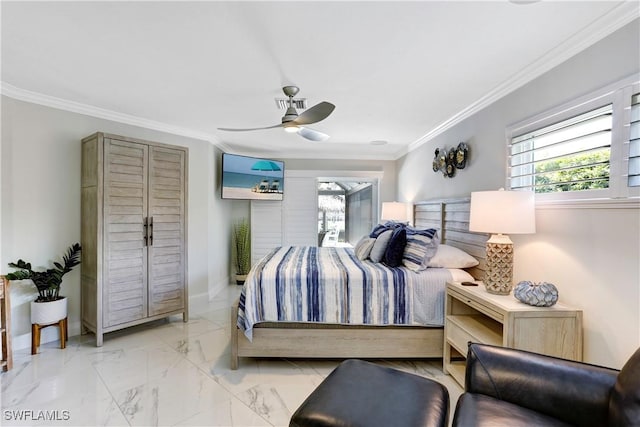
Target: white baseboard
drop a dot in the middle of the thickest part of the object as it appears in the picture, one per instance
(218, 287)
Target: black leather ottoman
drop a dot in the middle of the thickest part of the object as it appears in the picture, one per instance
(363, 394)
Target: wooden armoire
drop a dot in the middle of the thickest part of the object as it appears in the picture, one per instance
(133, 232)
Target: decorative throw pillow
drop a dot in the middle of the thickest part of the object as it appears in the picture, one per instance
(378, 230)
(421, 247)
(450, 257)
(394, 224)
(363, 247)
(381, 228)
(380, 246)
(395, 248)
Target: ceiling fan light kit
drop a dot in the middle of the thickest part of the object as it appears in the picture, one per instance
(292, 121)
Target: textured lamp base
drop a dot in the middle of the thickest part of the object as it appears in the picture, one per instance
(498, 276)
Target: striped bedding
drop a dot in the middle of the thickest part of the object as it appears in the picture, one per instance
(331, 285)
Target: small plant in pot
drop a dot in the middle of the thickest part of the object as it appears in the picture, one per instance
(49, 304)
(242, 246)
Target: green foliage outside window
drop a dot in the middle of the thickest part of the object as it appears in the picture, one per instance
(579, 172)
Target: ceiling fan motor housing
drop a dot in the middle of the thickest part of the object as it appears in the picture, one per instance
(290, 115)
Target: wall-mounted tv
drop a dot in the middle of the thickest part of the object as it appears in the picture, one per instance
(251, 178)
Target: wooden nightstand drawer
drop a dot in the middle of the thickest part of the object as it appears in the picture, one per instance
(481, 306)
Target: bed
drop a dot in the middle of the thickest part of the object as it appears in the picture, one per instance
(409, 330)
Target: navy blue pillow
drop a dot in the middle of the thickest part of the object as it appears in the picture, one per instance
(395, 248)
(381, 228)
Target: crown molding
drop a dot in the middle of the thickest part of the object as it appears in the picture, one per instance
(101, 113)
(591, 34)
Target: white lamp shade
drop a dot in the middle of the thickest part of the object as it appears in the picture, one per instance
(503, 212)
(394, 211)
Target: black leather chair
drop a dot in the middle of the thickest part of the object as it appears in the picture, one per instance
(506, 387)
(363, 394)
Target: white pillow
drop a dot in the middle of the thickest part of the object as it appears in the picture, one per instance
(458, 275)
(449, 257)
(363, 247)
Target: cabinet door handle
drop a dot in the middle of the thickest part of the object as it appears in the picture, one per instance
(151, 231)
(145, 231)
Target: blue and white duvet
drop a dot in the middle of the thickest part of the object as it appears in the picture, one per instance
(331, 285)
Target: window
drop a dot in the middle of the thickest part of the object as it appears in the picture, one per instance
(572, 155)
(634, 142)
(583, 150)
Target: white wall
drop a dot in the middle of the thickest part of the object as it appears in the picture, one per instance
(41, 203)
(592, 255)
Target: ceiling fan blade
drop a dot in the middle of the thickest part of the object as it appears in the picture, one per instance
(312, 135)
(315, 114)
(243, 130)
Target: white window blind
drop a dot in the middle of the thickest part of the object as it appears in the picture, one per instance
(266, 228)
(634, 142)
(571, 155)
(300, 212)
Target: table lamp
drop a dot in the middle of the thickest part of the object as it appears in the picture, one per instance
(394, 211)
(501, 213)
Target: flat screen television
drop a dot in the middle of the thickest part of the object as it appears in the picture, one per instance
(252, 178)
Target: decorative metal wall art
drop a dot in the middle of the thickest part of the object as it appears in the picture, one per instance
(448, 161)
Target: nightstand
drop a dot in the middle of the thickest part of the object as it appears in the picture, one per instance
(473, 314)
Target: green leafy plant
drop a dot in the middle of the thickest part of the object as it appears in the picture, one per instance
(574, 173)
(242, 245)
(48, 282)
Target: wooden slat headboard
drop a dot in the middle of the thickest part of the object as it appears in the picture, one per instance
(451, 218)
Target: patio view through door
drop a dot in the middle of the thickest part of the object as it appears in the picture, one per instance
(345, 211)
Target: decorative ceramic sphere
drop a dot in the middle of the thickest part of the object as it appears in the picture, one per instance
(542, 294)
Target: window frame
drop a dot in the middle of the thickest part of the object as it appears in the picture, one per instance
(619, 96)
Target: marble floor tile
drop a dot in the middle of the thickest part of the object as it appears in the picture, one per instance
(183, 393)
(138, 366)
(208, 346)
(168, 373)
(231, 412)
(174, 328)
(69, 385)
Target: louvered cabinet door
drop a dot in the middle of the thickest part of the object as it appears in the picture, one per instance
(125, 256)
(167, 227)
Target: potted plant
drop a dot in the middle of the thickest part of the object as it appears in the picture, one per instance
(49, 306)
(242, 246)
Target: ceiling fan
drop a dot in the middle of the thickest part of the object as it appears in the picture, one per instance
(293, 123)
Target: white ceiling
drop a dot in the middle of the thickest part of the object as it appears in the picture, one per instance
(396, 71)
